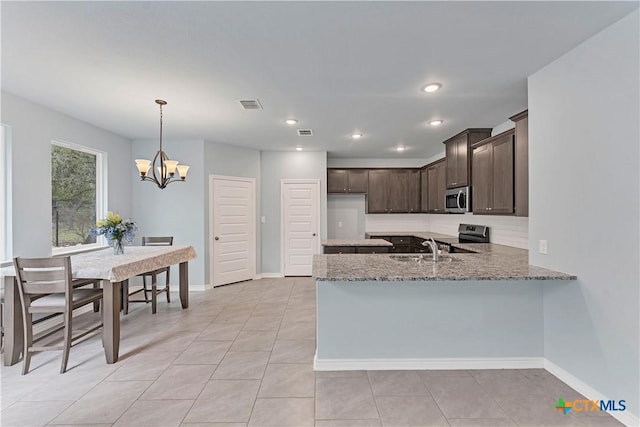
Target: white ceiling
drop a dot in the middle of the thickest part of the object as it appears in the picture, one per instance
(337, 67)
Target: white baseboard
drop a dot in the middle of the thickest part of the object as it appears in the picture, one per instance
(270, 275)
(435, 363)
(626, 417)
(200, 288)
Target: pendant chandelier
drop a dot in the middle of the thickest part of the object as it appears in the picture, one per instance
(166, 169)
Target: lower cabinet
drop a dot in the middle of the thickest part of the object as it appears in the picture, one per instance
(356, 250)
(373, 249)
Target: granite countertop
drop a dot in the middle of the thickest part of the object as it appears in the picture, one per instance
(490, 262)
(356, 242)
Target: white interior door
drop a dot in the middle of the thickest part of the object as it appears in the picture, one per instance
(232, 229)
(300, 225)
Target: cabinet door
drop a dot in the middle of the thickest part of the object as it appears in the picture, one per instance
(358, 181)
(424, 190)
(373, 249)
(378, 194)
(503, 175)
(398, 191)
(521, 166)
(451, 150)
(441, 186)
(436, 177)
(457, 162)
(462, 167)
(337, 180)
(413, 192)
(339, 250)
(482, 178)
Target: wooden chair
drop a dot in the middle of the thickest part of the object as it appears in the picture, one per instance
(46, 287)
(153, 275)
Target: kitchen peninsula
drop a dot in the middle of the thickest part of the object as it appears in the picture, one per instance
(467, 311)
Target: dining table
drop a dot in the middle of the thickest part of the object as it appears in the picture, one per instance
(112, 270)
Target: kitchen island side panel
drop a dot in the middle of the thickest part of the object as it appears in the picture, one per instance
(365, 320)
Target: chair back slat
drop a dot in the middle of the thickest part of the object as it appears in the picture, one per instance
(157, 241)
(37, 276)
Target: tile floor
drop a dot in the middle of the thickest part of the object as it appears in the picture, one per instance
(242, 355)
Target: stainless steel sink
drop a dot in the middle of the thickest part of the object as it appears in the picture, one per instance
(422, 258)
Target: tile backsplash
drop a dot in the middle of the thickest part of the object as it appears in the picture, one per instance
(347, 219)
(504, 230)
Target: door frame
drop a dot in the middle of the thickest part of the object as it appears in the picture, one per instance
(283, 182)
(254, 245)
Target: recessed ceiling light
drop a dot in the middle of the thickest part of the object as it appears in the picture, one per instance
(356, 135)
(431, 87)
(291, 121)
(401, 148)
(298, 148)
(436, 122)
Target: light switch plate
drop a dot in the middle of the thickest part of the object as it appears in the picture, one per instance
(339, 224)
(543, 247)
(263, 219)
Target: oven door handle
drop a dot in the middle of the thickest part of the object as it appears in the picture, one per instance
(458, 199)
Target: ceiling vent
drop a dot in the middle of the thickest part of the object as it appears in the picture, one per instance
(305, 132)
(251, 104)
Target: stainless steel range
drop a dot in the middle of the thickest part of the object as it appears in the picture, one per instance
(468, 233)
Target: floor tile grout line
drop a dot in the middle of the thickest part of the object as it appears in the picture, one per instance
(265, 370)
(375, 401)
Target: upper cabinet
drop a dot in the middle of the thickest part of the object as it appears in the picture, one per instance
(404, 190)
(433, 176)
(347, 180)
(378, 195)
(458, 150)
(493, 170)
(393, 191)
(521, 160)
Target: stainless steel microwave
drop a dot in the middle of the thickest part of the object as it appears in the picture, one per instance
(457, 200)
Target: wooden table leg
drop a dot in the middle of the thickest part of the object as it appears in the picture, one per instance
(13, 331)
(111, 320)
(184, 284)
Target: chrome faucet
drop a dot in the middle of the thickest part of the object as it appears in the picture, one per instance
(434, 248)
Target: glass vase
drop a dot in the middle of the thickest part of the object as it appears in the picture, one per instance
(118, 247)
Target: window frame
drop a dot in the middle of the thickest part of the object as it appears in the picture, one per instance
(5, 195)
(101, 195)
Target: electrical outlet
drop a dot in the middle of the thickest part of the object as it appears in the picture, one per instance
(339, 224)
(543, 247)
(263, 219)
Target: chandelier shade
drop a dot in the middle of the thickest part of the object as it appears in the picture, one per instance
(165, 167)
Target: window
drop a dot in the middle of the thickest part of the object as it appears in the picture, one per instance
(4, 203)
(76, 196)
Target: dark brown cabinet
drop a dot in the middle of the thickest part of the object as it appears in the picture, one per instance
(378, 194)
(404, 191)
(435, 177)
(458, 156)
(521, 164)
(356, 250)
(347, 180)
(492, 165)
(393, 191)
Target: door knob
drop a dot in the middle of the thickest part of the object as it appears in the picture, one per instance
(216, 238)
